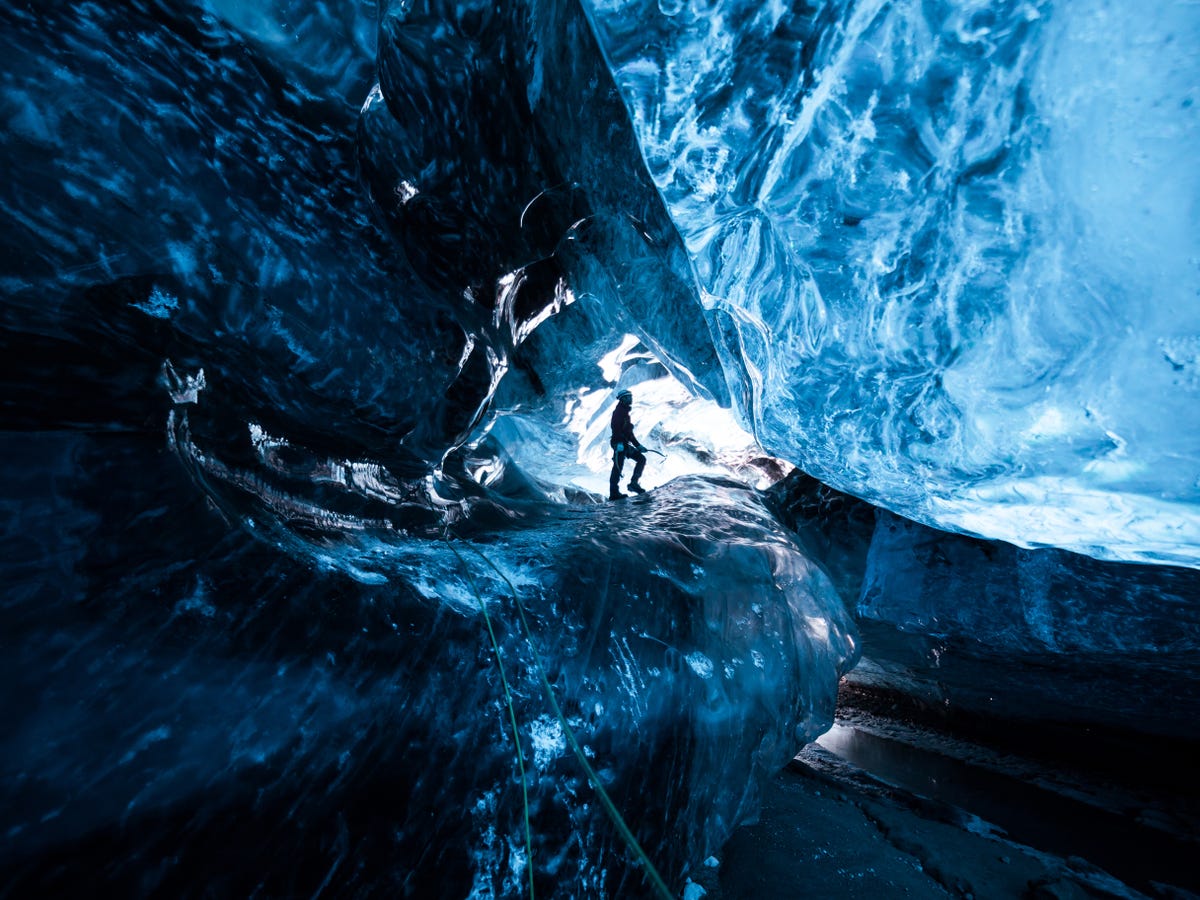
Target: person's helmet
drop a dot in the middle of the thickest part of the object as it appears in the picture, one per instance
(624, 396)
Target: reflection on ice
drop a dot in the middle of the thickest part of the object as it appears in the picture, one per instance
(384, 338)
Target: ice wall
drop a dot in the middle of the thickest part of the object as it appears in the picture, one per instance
(940, 256)
(252, 516)
(992, 630)
(948, 251)
(300, 301)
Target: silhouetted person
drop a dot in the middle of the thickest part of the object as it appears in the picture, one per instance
(625, 446)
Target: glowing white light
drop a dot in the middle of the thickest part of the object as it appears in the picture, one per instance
(610, 363)
(375, 95)
(405, 191)
(818, 627)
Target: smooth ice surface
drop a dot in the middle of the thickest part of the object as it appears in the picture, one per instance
(949, 252)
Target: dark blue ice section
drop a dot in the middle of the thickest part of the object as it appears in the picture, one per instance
(1037, 635)
(192, 709)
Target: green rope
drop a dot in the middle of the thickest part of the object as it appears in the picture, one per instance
(609, 807)
(512, 716)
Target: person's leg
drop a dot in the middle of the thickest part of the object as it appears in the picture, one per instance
(639, 460)
(614, 478)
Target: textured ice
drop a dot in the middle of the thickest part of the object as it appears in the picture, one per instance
(1042, 635)
(231, 688)
(949, 251)
(313, 318)
(937, 255)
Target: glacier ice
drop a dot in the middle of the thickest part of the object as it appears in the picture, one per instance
(313, 315)
(949, 251)
(220, 689)
(934, 254)
(968, 630)
(1035, 635)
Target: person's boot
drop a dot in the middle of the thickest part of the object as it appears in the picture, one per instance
(635, 488)
(614, 493)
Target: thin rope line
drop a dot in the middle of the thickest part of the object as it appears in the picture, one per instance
(511, 714)
(613, 813)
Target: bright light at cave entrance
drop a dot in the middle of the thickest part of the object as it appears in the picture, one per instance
(695, 435)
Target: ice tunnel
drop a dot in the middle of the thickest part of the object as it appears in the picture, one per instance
(314, 317)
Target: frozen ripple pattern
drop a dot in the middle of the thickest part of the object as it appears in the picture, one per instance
(948, 251)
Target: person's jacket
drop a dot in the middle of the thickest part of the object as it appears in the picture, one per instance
(622, 427)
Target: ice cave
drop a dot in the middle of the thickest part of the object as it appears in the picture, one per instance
(315, 318)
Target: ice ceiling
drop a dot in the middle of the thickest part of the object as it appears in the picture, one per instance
(941, 256)
(946, 255)
(949, 252)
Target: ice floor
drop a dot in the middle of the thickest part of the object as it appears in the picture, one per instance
(881, 808)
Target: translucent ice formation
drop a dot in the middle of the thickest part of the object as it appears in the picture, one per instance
(949, 251)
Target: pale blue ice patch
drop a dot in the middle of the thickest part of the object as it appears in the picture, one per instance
(154, 736)
(700, 664)
(159, 304)
(184, 258)
(548, 740)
